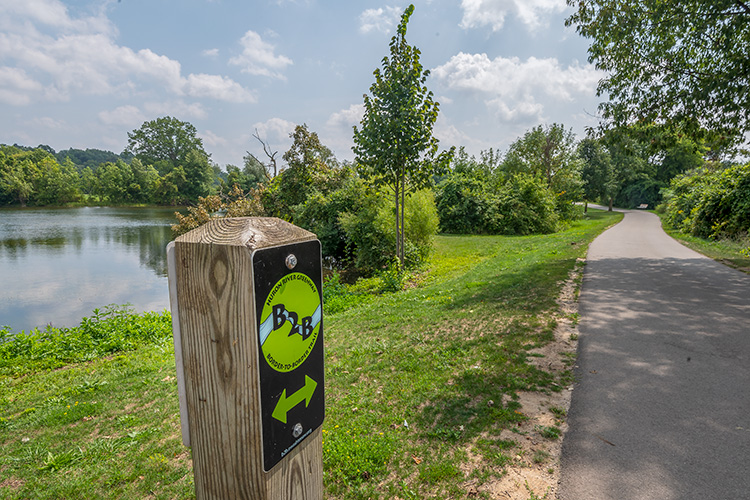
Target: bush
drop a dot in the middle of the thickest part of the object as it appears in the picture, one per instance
(320, 215)
(525, 206)
(368, 244)
(463, 204)
(371, 232)
(421, 222)
(522, 204)
(711, 203)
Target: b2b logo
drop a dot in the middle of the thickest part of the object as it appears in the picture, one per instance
(281, 316)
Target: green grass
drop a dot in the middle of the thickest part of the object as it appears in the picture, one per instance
(417, 382)
(732, 252)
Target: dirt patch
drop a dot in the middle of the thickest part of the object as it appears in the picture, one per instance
(12, 483)
(535, 469)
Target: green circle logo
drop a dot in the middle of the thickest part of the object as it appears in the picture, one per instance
(290, 322)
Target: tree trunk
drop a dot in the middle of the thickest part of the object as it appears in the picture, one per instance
(611, 202)
(398, 220)
(403, 222)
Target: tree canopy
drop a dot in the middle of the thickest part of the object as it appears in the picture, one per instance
(684, 64)
(164, 143)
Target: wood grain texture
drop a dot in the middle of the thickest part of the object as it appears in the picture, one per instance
(220, 355)
(300, 475)
(250, 232)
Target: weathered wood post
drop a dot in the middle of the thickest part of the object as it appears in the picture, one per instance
(246, 303)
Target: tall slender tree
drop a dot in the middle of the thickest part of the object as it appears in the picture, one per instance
(394, 146)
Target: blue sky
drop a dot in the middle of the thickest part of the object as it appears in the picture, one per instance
(83, 73)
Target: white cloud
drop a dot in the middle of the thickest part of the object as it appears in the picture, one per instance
(210, 53)
(16, 86)
(274, 133)
(212, 139)
(258, 57)
(129, 116)
(179, 109)
(533, 13)
(216, 87)
(48, 123)
(49, 14)
(449, 135)
(275, 130)
(68, 56)
(515, 89)
(347, 118)
(338, 133)
(382, 20)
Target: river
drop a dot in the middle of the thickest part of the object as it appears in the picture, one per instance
(57, 265)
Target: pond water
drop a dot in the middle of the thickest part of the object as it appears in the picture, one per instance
(57, 265)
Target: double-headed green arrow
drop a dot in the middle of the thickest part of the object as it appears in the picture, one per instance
(285, 404)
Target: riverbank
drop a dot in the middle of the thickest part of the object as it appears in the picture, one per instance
(433, 391)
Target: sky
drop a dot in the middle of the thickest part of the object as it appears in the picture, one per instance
(83, 73)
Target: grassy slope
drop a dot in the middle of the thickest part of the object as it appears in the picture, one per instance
(732, 253)
(415, 382)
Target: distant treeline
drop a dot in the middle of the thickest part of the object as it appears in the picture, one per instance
(41, 177)
(90, 157)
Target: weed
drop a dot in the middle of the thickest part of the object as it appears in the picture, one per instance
(440, 470)
(492, 451)
(558, 412)
(540, 456)
(534, 496)
(353, 455)
(61, 460)
(549, 432)
(109, 330)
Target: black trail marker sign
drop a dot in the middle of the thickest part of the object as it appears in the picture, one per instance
(288, 305)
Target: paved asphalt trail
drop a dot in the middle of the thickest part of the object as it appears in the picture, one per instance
(661, 409)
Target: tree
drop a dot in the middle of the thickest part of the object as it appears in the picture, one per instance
(56, 184)
(199, 175)
(35, 177)
(164, 143)
(14, 181)
(685, 64)
(269, 153)
(395, 146)
(310, 167)
(549, 154)
(597, 173)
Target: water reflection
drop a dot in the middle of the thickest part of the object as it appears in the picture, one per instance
(57, 265)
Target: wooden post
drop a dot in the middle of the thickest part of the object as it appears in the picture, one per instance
(251, 435)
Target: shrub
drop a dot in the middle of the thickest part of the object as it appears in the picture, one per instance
(320, 215)
(525, 206)
(371, 232)
(463, 204)
(711, 203)
(421, 222)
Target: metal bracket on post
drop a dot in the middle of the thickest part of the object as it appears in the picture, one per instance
(172, 280)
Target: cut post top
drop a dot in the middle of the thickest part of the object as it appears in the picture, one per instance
(251, 232)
